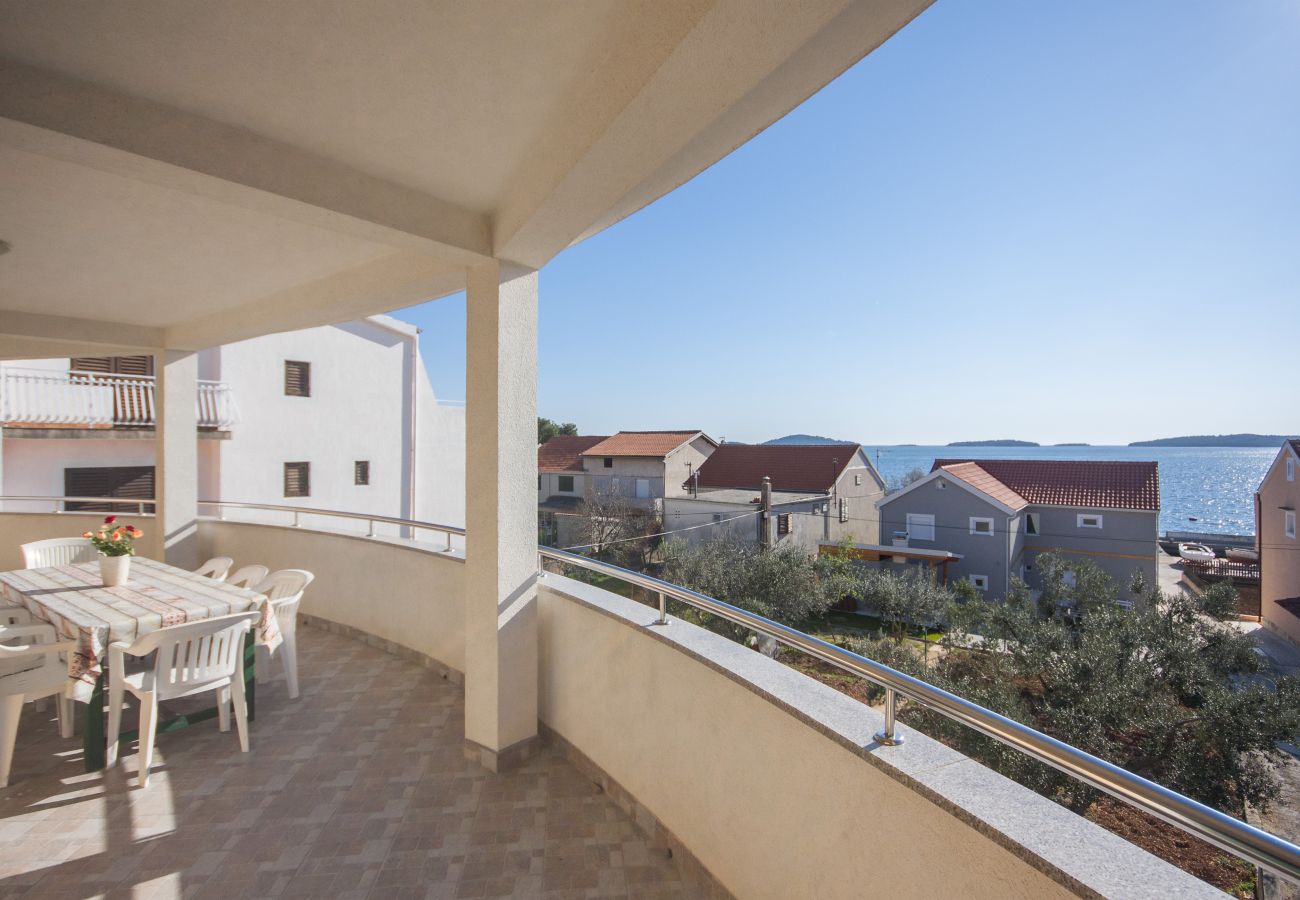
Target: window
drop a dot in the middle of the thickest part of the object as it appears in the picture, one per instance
(1031, 523)
(782, 524)
(643, 488)
(1290, 469)
(1069, 579)
(115, 365)
(857, 479)
(297, 378)
(297, 479)
(844, 509)
(609, 462)
(1290, 523)
(920, 527)
(564, 484)
(980, 525)
(1088, 520)
(128, 482)
(361, 472)
(939, 484)
(979, 582)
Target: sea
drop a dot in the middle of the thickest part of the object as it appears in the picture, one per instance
(1209, 489)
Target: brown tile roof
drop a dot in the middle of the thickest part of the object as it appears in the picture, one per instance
(641, 443)
(978, 478)
(563, 453)
(792, 467)
(1100, 484)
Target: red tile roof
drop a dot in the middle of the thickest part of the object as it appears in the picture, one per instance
(641, 443)
(1099, 484)
(792, 467)
(563, 453)
(976, 477)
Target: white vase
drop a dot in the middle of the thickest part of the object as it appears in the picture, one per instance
(114, 570)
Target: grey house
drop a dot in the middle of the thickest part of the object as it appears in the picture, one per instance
(1000, 514)
(821, 493)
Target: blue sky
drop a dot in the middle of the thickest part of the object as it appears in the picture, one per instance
(1048, 221)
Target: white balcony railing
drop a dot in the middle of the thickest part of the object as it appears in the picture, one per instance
(44, 398)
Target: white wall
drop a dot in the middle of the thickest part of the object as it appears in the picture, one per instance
(33, 467)
(359, 409)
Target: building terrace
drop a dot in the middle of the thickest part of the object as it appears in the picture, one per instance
(175, 181)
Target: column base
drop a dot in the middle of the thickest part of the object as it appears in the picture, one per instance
(504, 760)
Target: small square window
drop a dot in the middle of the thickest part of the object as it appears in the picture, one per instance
(297, 378)
(564, 484)
(1086, 520)
(1031, 523)
(857, 479)
(361, 471)
(1290, 523)
(980, 525)
(979, 582)
(297, 479)
(609, 462)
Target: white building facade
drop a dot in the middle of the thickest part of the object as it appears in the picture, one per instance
(339, 417)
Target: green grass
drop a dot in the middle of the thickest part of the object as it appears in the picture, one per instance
(838, 622)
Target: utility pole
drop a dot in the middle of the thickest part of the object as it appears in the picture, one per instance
(765, 515)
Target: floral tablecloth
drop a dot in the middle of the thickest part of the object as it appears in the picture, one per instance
(74, 600)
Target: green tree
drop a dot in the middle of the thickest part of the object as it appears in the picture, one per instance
(784, 583)
(547, 429)
(904, 598)
(1167, 690)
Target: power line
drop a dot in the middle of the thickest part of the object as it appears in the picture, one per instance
(646, 537)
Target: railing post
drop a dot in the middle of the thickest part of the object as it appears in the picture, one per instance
(449, 542)
(295, 518)
(370, 532)
(663, 609)
(890, 736)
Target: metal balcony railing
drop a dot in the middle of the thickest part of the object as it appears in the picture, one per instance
(1268, 851)
(47, 397)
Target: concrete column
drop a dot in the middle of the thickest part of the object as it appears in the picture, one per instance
(176, 474)
(501, 515)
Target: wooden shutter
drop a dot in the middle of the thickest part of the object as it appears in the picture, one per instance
(361, 471)
(297, 479)
(127, 482)
(782, 524)
(120, 365)
(297, 378)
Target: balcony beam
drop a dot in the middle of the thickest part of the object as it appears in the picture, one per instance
(176, 460)
(501, 650)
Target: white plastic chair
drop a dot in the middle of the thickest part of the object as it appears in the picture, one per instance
(284, 590)
(249, 576)
(191, 659)
(57, 552)
(216, 568)
(30, 670)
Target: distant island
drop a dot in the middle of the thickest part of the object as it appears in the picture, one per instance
(1218, 440)
(1000, 443)
(806, 439)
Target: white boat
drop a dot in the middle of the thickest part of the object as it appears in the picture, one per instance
(1198, 553)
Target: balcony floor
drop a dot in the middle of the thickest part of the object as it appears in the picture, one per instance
(357, 789)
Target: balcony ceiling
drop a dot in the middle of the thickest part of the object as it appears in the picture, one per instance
(200, 172)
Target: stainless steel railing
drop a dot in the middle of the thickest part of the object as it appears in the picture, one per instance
(1259, 847)
(61, 501)
(371, 519)
(1210, 825)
